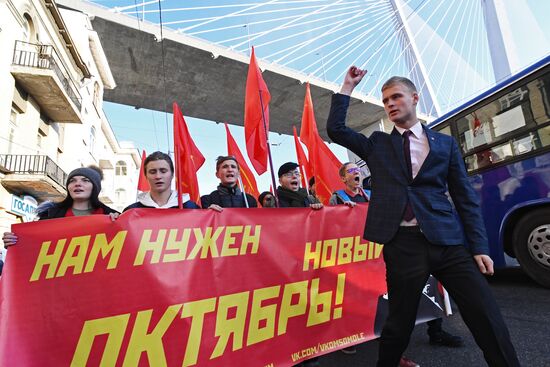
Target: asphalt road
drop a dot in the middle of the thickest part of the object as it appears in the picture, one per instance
(525, 307)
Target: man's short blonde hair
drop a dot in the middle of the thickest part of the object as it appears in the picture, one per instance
(399, 80)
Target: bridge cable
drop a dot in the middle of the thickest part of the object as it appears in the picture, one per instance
(341, 26)
(137, 17)
(380, 24)
(306, 42)
(164, 78)
(362, 37)
(453, 45)
(421, 5)
(290, 26)
(271, 20)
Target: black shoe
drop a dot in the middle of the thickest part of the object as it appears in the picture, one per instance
(349, 350)
(311, 363)
(445, 339)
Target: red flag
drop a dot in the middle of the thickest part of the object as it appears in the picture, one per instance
(256, 113)
(477, 124)
(305, 168)
(308, 130)
(188, 159)
(248, 180)
(324, 163)
(325, 170)
(143, 184)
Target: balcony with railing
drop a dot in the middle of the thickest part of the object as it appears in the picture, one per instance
(39, 70)
(35, 175)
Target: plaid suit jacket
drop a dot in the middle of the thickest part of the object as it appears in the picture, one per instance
(442, 171)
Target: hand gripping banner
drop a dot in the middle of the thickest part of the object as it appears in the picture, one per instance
(245, 287)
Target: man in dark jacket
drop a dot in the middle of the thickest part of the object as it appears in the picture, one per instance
(290, 194)
(412, 168)
(228, 194)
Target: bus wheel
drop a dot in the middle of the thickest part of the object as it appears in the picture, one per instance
(532, 245)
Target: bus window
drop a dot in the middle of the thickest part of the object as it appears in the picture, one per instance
(474, 132)
(526, 144)
(496, 120)
(513, 148)
(539, 89)
(446, 130)
(544, 136)
(488, 157)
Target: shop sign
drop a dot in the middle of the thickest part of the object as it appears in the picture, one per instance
(24, 206)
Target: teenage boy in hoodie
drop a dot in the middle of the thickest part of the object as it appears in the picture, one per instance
(228, 194)
(159, 172)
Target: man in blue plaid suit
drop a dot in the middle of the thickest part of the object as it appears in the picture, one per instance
(412, 169)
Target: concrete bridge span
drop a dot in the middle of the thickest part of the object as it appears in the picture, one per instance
(207, 81)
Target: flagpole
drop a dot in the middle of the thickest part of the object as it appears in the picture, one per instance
(269, 151)
(178, 180)
(305, 177)
(447, 303)
(178, 167)
(242, 190)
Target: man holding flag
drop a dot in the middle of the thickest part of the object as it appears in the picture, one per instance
(291, 195)
(228, 194)
(159, 171)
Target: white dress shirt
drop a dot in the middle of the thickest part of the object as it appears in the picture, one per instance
(419, 151)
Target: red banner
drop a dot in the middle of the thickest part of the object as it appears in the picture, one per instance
(245, 287)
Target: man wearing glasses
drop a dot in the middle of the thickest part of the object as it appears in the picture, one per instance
(290, 194)
(353, 193)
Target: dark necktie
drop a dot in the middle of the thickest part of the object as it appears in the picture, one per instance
(409, 214)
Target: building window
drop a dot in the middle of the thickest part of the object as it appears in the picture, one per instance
(97, 97)
(120, 195)
(121, 169)
(11, 129)
(92, 140)
(13, 116)
(29, 29)
(11, 138)
(61, 139)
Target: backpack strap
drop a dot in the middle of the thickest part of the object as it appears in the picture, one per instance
(342, 195)
(367, 194)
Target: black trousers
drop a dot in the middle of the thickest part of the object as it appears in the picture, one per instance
(410, 258)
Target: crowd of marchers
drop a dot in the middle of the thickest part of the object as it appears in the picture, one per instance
(412, 170)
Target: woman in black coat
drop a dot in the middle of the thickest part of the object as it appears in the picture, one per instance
(83, 187)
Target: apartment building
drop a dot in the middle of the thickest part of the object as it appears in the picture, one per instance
(53, 72)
